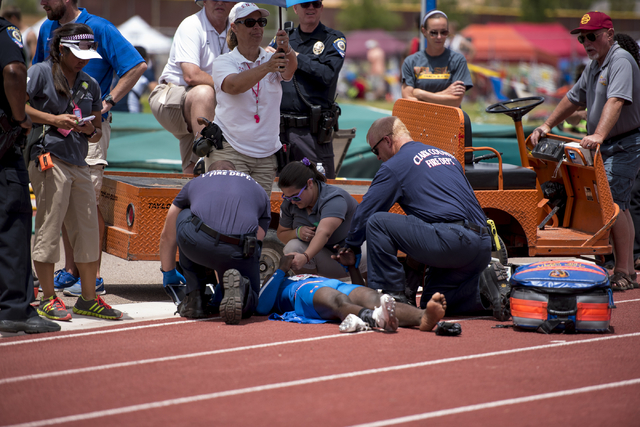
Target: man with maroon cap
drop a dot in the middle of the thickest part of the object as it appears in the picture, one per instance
(610, 90)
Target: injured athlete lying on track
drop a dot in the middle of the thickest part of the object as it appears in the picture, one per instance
(356, 306)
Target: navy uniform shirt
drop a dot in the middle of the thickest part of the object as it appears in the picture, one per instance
(426, 182)
(230, 202)
(11, 48)
(320, 59)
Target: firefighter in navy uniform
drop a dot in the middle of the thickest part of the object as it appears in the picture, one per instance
(16, 283)
(309, 114)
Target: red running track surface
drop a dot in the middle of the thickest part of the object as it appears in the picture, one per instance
(260, 373)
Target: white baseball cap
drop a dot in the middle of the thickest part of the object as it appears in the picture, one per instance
(240, 10)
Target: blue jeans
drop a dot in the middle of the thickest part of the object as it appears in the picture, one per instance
(455, 255)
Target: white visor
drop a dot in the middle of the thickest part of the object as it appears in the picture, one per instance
(80, 53)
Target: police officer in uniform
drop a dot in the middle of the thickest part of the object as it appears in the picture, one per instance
(218, 221)
(308, 111)
(16, 282)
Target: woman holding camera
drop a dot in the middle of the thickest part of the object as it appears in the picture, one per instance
(248, 92)
(67, 102)
(314, 217)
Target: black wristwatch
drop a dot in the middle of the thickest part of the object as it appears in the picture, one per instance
(21, 121)
(109, 99)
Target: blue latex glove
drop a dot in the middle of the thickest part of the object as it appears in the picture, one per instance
(172, 277)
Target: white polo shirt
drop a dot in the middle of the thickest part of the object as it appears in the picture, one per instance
(235, 114)
(195, 42)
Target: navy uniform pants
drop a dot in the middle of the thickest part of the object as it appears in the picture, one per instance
(199, 252)
(305, 144)
(16, 280)
(455, 255)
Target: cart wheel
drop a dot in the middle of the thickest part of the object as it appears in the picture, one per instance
(272, 251)
(501, 255)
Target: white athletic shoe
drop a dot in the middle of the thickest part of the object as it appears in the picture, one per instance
(353, 323)
(385, 315)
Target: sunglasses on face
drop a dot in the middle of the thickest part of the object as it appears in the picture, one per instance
(83, 44)
(295, 198)
(374, 149)
(443, 33)
(250, 22)
(591, 37)
(316, 4)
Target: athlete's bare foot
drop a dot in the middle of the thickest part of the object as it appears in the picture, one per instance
(436, 308)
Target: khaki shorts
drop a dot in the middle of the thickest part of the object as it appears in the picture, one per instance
(97, 154)
(167, 104)
(263, 171)
(64, 194)
(97, 174)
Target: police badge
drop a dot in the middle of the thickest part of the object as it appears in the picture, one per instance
(15, 35)
(318, 48)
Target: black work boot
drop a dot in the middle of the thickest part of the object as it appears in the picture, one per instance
(495, 289)
(231, 305)
(191, 306)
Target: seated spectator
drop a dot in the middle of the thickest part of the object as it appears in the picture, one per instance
(314, 217)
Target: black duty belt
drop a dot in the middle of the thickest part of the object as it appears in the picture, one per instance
(471, 226)
(621, 136)
(201, 226)
(294, 121)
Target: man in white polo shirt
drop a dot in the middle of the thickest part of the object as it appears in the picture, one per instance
(186, 89)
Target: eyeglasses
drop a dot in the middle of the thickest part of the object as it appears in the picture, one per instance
(295, 198)
(591, 37)
(82, 44)
(250, 22)
(443, 33)
(374, 149)
(316, 4)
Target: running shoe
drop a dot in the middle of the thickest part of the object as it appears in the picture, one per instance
(96, 308)
(53, 308)
(385, 315)
(353, 323)
(76, 290)
(62, 280)
(231, 305)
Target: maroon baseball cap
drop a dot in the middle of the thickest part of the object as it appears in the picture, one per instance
(593, 21)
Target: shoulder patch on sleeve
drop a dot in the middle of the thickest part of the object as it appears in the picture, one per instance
(15, 35)
(340, 45)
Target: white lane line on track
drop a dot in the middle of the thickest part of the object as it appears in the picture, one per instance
(100, 332)
(109, 331)
(167, 358)
(314, 380)
(498, 403)
(628, 300)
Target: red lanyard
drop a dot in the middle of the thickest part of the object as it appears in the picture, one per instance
(256, 93)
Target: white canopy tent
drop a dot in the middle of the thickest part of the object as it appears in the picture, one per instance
(139, 33)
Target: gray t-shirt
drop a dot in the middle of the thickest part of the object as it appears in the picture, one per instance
(72, 148)
(618, 77)
(435, 73)
(333, 202)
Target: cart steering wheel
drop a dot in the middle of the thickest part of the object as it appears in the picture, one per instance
(516, 108)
